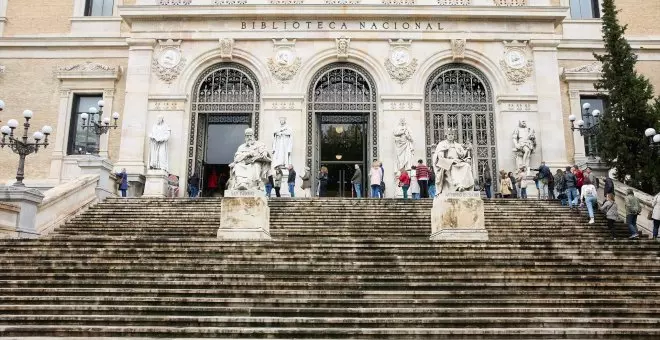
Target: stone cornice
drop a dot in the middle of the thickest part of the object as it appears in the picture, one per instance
(88, 70)
(314, 11)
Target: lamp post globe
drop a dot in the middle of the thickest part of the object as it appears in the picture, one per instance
(595, 113)
(572, 118)
(656, 138)
(650, 132)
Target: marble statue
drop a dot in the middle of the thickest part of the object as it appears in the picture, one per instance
(282, 144)
(524, 143)
(160, 134)
(453, 165)
(403, 144)
(249, 171)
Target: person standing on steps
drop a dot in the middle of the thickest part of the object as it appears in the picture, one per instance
(522, 183)
(277, 181)
(422, 174)
(579, 175)
(323, 182)
(488, 183)
(505, 185)
(381, 187)
(589, 197)
(633, 208)
(404, 182)
(514, 187)
(609, 186)
(432, 191)
(570, 182)
(291, 181)
(212, 185)
(375, 178)
(560, 187)
(193, 186)
(414, 184)
(269, 184)
(306, 183)
(611, 212)
(356, 180)
(655, 215)
(122, 177)
(544, 178)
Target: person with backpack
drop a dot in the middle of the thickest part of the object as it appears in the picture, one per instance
(589, 197)
(611, 212)
(570, 183)
(633, 208)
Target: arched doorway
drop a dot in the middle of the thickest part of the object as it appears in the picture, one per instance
(459, 97)
(342, 120)
(225, 101)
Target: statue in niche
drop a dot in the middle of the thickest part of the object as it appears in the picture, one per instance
(403, 144)
(524, 143)
(160, 135)
(282, 144)
(452, 162)
(249, 171)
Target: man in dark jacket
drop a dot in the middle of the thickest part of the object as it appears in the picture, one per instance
(570, 183)
(544, 178)
(193, 186)
(356, 180)
(291, 181)
(609, 186)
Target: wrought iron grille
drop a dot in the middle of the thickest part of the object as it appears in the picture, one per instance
(341, 89)
(459, 97)
(224, 93)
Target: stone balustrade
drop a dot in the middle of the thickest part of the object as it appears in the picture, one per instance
(620, 189)
(504, 3)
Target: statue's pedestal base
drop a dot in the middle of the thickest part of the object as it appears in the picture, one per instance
(156, 183)
(458, 216)
(244, 216)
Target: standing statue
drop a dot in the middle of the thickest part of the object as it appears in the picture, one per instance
(524, 143)
(453, 165)
(282, 144)
(403, 144)
(160, 134)
(249, 171)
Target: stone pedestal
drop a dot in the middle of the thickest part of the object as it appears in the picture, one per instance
(458, 216)
(244, 216)
(94, 165)
(156, 184)
(27, 200)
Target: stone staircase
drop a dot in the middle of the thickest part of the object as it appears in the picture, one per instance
(336, 269)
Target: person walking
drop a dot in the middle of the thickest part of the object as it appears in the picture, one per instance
(381, 187)
(432, 189)
(277, 181)
(514, 187)
(414, 184)
(655, 215)
(193, 186)
(505, 185)
(122, 177)
(269, 184)
(570, 182)
(422, 174)
(633, 208)
(323, 182)
(579, 175)
(375, 178)
(306, 183)
(611, 212)
(589, 197)
(551, 185)
(560, 187)
(291, 181)
(404, 182)
(544, 177)
(609, 186)
(356, 180)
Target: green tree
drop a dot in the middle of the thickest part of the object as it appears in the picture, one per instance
(630, 110)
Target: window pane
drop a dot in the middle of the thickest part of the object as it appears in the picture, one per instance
(83, 141)
(584, 9)
(590, 147)
(99, 7)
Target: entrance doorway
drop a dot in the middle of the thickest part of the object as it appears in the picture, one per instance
(221, 143)
(343, 145)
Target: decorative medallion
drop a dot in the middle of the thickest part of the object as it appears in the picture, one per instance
(400, 64)
(458, 48)
(226, 48)
(168, 62)
(285, 64)
(343, 44)
(516, 63)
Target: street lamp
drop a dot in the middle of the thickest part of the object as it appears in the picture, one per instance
(653, 136)
(102, 126)
(585, 131)
(20, 145)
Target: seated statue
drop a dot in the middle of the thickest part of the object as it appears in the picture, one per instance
(453, 166)
(249, 171)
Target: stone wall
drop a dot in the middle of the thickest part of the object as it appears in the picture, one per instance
(32, 84)
(38, 17)
(640, 16)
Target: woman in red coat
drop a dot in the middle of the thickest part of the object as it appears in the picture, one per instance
(404, 182)
(213, 182)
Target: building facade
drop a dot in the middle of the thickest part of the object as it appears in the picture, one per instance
(341, 73)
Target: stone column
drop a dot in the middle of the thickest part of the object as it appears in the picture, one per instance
(92, 165)
(134, 119)
(27, 200)
(550, 132)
